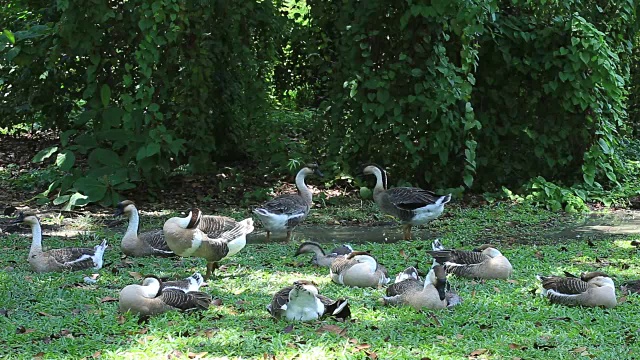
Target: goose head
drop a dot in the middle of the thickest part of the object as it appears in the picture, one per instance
(597, 278)
(191, 221)
(306, 286)
(124, 207)
(438, 277)
(310, 169)
(408, 273)
(26, 217)
(151, 286)
(488, 250)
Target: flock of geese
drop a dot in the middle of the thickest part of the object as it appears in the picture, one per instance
(215, 238)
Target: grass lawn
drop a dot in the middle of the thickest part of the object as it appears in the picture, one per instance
(56, 315)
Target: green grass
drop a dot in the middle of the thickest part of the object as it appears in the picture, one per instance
(56, 316)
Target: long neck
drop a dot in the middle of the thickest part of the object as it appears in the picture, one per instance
(151, 290)
(134, 221)
(36, 243)
(381, 181)
(302, 187)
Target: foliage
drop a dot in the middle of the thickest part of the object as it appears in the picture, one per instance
(57, 315)
(137, 87)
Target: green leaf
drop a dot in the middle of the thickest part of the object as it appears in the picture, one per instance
(112, 116)
(65, 160)
(154, 107)
(153, 149)
(91, 187)
(76, 199)
(61, 199)
(382, 95)
(105, 157)
(44, 154)
(105, 95)
(366, 193)
(9, 36)
(605, 147)
(468, 180)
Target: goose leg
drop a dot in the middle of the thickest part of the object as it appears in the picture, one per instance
(211, 266)
(268, 235)
(288, 235)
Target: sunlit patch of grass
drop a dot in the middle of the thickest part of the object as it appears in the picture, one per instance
(57, 316)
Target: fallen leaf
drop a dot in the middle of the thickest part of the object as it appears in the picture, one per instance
(96, 355)
(175, 353)
(217, 302)
(199, 355)
(371, 355)
(459, 336)
(288, 329)
(135, 275)
(511, 281)
(622, 299)
(38, 356)
(478, 352)
(440, 337)
(353, 341)
(513, 346)
(403, 254)
(362, 347)
(108, 299)
(121, 319)
(332, 328)
(579, 349)
(496, 289)
(23, 330)
(564, 318)
(539, 255)
(209, 333)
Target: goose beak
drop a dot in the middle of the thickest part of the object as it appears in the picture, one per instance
(318, 172)
(440, 287)
(17, 220)
(118, 212)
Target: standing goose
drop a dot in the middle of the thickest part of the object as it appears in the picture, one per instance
(59, 259)
(285, 212)
(302, 302)
(484, 262)
(152, 297)
(358, 269)
(413, 206)
(186, 239)
(150, 243)
(430, 294)
(320, 258)
(591, 289)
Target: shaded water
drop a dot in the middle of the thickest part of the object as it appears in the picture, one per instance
(619, 222)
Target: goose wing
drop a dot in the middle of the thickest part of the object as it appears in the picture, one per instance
(460, 257)
(192, 300)
(404, 286)
(214, 226)
(341, 264)
(290, 204)
(336, 308)
(411, 198)
(156, 240)
(342, 250)
(73, 258)
(564, 285)
(280, 300)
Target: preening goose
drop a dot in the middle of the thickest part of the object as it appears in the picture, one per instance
(413, 206)
(152, 298)
(320, 258)
(285, 212)
(591, 289)
(358, 269)
(59, 259)
(150, 243)
(430, 294)
(302, 302)
(484, 262)
(192, 283)
(186, 239)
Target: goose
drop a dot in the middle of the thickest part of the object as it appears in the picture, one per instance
(484, 262)
(591, 289)
(185, 238)
(430, 294)
(192, 283)
(358, 269)
(413, 206)
(285, 212)
(150, 243)
(59, 259)
(632, 287)
(320, 258)
(152, 298)
(302, 302)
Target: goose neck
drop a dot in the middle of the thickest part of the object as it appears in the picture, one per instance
(302, 187)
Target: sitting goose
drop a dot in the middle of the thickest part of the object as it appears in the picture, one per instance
(358, 269)
(591, 289)
(59, 259)
(484, 262)
(430, 294)
(302, 302)
(186, 239)
(285, 212)
(153, 297)
(413, 206)
(320, 258)
(150, 243)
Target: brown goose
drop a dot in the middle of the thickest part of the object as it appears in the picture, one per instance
(591, 289)
(320, 258)
(358, 269)
(152, 298)
(150, 243)
(186, 239)
(484, 262)
(59, 259)
(430, 294)
(285, 212)
(302, 302)
(413, 206)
